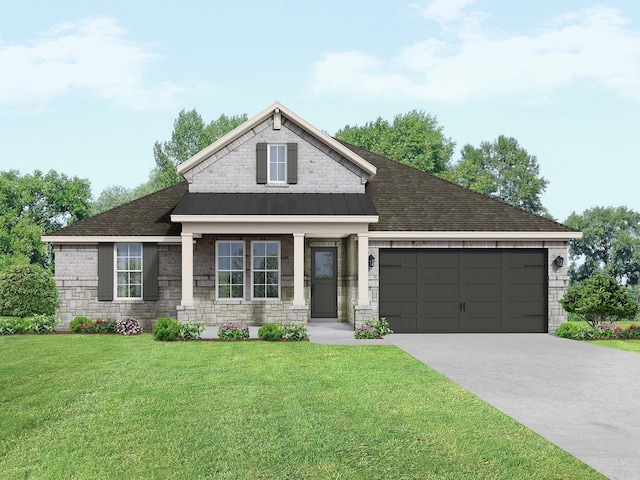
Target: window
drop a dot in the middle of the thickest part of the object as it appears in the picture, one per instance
(128, 270)
(266, 269)
(277, 161)
(230, 269)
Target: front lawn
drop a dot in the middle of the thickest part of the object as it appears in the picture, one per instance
(109, 406)
(627, 345)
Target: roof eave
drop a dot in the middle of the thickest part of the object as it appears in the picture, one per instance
(475, 235)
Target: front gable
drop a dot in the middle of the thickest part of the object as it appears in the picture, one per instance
(239, 161)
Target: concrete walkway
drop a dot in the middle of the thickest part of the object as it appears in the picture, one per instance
(583, 398)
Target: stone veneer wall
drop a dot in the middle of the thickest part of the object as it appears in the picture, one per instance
(558, 277)
(76, 276)
(233, 168)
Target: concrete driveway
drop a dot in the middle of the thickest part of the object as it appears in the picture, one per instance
(583, 398)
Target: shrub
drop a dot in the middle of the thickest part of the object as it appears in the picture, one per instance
(270, 332)
(77, 322)
(295, 332)
(233, 331)
(166, 329)
(27, 289)
(632, 331)
(44, 323)
(607, 330)
(567, 330)
(380, 324)
(586, 332)
(598, 299)
(364, 332)
(191, 330)
(128, 326)
(7, 326)
(98, 326)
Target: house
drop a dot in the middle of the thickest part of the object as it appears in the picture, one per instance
(277, 221)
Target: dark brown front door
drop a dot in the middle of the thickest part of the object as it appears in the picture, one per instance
(324, 282)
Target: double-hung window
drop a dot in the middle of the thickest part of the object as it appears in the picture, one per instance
(277, 163)
(266, 269)
(230, 269)
(128, 270)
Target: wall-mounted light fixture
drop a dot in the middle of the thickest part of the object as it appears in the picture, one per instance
(372, 261)
(559, 261)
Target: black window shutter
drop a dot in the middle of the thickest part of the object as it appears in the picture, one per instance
(105, 272)
(150, 271)
(261, 163)
(292, 163)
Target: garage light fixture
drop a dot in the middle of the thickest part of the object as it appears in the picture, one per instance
(372, 261)
(559, 261)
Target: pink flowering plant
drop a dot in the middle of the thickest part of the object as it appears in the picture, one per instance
(128, 326)
(367, 332)
(99, 326)
(233, 331)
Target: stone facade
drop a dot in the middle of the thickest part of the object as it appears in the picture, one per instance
(233, 168)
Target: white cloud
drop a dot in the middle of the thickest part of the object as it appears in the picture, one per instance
(593, 46)
(444, 11)
(91, 55)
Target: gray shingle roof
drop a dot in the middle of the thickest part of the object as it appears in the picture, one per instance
(404, 198)
(149, 215)
(409, 200)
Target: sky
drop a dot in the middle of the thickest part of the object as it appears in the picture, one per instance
(87, 87)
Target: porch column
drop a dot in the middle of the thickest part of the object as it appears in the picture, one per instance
(187, 269)
(363, 269)
(298, 269)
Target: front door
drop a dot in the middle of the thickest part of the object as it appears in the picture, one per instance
(324, 282)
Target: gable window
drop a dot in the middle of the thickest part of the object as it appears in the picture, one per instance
(128, 270)
(277, 161)
(230, 269)
(266, 269)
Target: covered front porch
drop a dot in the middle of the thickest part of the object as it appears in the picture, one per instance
(275, 268)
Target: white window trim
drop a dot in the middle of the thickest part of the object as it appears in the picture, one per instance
(115, 272)
(217, 268)
(268, 299)
(269, 180)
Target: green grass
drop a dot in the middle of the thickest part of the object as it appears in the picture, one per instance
(627, 345)
(108, 406)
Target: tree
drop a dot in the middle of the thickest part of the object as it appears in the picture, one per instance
(35, 204)
(414, 138)
(504, 170)
(189, 136)
(610, 242)
(27, 289)
(598, 299)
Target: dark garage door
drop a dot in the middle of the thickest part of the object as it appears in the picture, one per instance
(464, 290)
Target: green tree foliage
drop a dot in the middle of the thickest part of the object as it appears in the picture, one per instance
(610, 242)
(501, 169)
(414, 138)
(190, 135)
(27, 289)
(36, 204)
(598, 299)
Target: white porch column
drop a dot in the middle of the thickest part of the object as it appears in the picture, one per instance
(363, 269)
(187, 269)
(298, 269)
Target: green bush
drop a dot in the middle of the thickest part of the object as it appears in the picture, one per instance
(567, 330)
(27, 289)
(7, 326)
(166, 329)
(295, 332)
(270, 332)
(598, 299)
(44, 323)
(77, 322)
(380, 324)
(191, 330)
(14, 325)
(233, 331)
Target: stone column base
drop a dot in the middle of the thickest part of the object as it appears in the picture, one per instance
(187, 313)
(299, 313)
(362, 313)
